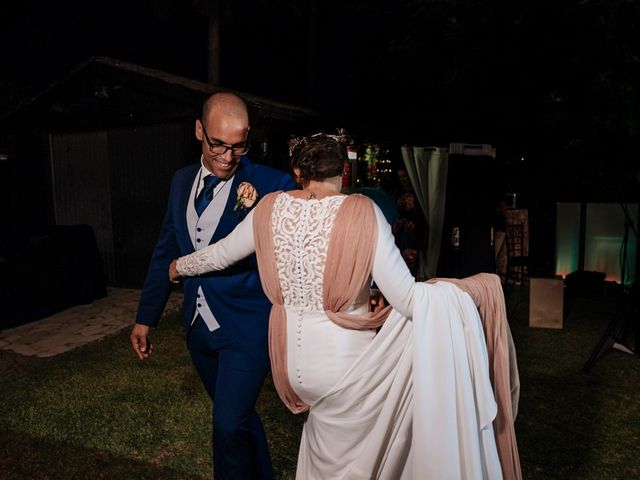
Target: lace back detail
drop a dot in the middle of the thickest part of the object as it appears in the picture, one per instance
(301, 240)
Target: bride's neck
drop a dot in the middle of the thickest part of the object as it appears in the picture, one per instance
(323, 188)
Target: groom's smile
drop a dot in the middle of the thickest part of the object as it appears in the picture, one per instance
(220, 166)
(224, 141)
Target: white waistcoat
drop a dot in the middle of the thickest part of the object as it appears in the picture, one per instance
(201, 230)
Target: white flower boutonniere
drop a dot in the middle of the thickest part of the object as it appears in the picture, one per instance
(247, 196)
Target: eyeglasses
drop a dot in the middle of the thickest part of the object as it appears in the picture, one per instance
(218, 148)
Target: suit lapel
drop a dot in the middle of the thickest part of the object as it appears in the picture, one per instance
(230, 217)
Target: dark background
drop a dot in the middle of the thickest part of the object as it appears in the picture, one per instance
(553, 85)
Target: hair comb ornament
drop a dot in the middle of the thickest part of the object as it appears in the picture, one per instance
(340, 137)
(294, 143)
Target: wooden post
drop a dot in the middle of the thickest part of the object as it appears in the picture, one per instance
(213, 44)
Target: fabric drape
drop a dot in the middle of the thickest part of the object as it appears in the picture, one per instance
(353, 243)
(417, 404)
(486, 291)
(265, 254)
(427, 169)
(454, 404)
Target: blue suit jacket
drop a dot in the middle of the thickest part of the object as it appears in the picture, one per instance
(234, 295)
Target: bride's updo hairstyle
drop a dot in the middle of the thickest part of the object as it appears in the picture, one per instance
(320, 155)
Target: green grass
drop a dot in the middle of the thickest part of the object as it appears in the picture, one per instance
(573, 424)
(98, 412)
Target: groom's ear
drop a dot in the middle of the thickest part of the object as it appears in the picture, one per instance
(198, 130)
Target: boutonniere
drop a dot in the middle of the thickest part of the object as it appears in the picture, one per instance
(247, 196)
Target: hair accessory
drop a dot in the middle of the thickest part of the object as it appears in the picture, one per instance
(294, 143)
(341, 137)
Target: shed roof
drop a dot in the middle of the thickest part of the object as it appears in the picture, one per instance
(105, 91)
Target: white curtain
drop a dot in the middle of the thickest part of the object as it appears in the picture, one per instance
(427, 170)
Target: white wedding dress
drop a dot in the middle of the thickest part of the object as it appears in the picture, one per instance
(359, 383)
(319, 351)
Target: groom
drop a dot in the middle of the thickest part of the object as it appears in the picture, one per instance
(225, 314)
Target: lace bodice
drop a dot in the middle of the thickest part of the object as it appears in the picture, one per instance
(301, 240)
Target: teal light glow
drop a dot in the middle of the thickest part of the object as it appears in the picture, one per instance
(604, 240)
(567, 237)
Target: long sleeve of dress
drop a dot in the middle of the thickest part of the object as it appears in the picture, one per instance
(390, 271)
(222, 254)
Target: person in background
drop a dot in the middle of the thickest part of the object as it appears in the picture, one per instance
(409, 229)
(225, 314)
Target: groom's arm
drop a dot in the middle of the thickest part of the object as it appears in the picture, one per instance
(157, 287)
(286, 183)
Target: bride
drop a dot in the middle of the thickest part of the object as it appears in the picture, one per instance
(318, 251)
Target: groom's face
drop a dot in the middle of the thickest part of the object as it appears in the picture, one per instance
(226, 130)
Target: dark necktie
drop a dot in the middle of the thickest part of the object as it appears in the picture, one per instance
(206, 194)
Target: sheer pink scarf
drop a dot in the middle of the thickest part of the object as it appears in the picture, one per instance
(486, 291)
(352, 245)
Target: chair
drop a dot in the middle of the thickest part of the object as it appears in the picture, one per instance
(517, 261)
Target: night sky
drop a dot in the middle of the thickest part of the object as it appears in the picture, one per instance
(555, 82)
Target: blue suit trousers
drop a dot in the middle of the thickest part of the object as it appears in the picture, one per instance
(233, 380)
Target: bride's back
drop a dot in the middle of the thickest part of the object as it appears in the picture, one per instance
(301, 231)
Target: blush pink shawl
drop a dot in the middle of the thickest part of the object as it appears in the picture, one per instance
(350, 254)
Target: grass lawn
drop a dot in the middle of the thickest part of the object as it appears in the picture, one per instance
(98, 412)
(571, 424)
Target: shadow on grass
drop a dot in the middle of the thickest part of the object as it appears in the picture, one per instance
(25, 457)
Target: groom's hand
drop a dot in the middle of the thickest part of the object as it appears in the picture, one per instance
(377, 300)
(141, 341)
(174, 276)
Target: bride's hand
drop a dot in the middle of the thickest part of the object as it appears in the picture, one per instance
(174, 276)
